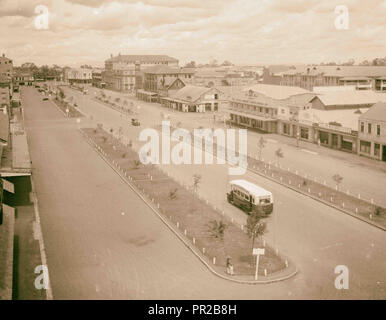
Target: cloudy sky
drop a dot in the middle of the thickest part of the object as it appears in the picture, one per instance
(242, 31)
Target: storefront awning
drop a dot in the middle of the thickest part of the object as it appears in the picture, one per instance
(252, 116)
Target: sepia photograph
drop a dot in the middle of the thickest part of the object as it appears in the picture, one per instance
(191, 155)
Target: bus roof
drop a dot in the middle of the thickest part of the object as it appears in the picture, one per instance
(251, 188)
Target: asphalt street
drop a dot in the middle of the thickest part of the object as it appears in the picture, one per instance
(103, 242)
(315, 236)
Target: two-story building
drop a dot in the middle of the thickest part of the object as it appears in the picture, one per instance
(78, 75)
(125, 72)
(372, 132)
(257, 107)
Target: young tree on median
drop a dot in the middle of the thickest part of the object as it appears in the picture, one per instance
(279, 154)
(338, 179)
(255, 228)
(196, 182)
(261, 145)
(217, 229)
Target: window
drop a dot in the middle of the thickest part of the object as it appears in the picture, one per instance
(377, 149)
(378, 130)
(365, 146)
(369, 128)
(362, 127)
(304, 133)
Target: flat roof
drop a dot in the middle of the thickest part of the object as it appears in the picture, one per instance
(251, 188)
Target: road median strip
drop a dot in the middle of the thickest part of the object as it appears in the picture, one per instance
(188, 216)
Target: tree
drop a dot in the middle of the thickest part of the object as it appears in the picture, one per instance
(191, 64)
(136, 164)
(279, 154)
(196, 182)
(261, 145)
(173, 194)
(255, 228)
(338, 179)
(227, 63)
(217, 229)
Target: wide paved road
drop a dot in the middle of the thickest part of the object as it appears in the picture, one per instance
(95, 252)
(315, 236)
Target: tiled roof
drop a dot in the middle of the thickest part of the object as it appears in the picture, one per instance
(190, 93)
(357, 97)
(4, 127)
(277, 92)
(376, 112)
(142, 58)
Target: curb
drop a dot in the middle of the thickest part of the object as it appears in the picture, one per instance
(320, 200)
(184, 241)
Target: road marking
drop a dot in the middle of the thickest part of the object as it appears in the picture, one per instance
(308, 151)
(332, 245)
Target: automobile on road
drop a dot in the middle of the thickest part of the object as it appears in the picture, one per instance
(250, 197)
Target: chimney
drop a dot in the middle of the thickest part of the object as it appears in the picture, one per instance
(111, 55)
(3, 55)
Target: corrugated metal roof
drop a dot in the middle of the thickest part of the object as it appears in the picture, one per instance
(376, 112)
(276, 91)
(358, 97)
(190, 93)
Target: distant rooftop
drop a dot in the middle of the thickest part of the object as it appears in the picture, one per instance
(142, 58)
(376, 112)
(190, 93)
(357, 97)
(339, 71)
(164, 69)
(276, 91)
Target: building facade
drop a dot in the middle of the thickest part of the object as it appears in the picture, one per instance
(372, 132)
(158, 78)
(125, 72)
(307, 77)
(78, 75)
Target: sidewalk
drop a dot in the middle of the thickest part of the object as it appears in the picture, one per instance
(7, 230)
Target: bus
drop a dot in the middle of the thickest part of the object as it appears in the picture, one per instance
(250, 197)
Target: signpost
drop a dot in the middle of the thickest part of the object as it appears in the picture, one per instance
(257, 252)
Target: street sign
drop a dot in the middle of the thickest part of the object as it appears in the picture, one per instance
(258, 251)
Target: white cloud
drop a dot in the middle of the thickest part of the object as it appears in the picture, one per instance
(242, 31)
